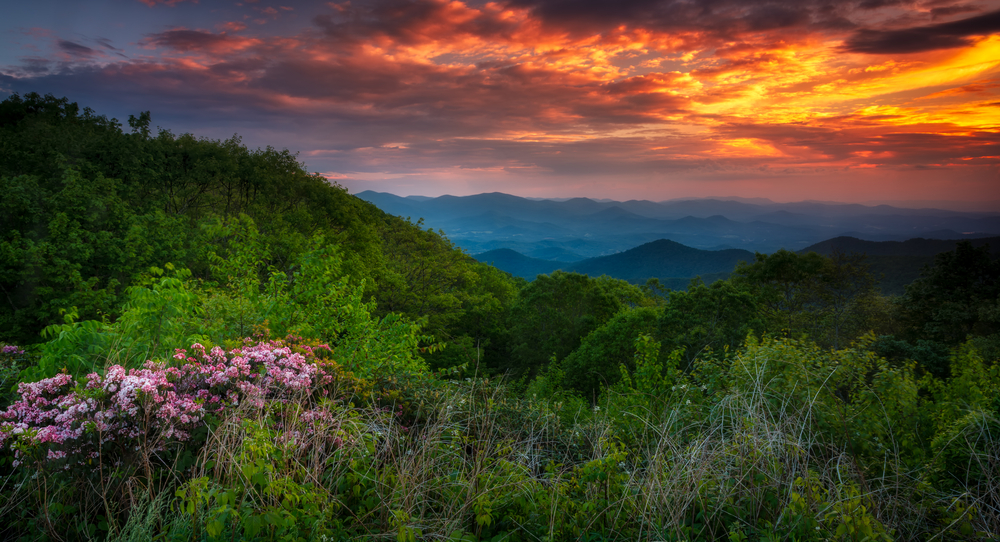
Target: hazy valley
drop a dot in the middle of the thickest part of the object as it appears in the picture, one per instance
(677, 240)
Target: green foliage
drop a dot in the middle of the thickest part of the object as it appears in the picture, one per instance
(832, 299)
(966, 408)
(160, 312)
(260, 501)
(594, 365)
(844, 294)
(13, 360)
(555, 312)
(783, 441)
(91, 209)
(784, 282)
(956, 297)
(167, 308)
(930, 356)
(65, 247)
(652, 415)
(460, 301)
(705, 318)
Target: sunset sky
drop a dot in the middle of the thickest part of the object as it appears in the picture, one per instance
(863, 101)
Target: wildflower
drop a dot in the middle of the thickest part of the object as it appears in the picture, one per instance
(166, 402)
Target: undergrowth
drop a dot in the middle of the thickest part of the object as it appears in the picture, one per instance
(790, 443)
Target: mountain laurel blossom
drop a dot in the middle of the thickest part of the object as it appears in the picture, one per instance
(158, 404)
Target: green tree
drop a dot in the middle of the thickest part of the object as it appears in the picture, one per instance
(953, 299)
(844, 291)
(555, 312)
(784, 284)
(596, 363)
(715, 317)
(65, 247)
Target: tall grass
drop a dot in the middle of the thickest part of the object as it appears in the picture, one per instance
(466, 460)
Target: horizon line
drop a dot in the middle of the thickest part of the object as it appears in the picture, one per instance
(962, 206)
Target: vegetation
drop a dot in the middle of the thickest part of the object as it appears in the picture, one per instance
(205, 342)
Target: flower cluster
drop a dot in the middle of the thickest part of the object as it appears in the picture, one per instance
(12, 350)
(58, 418)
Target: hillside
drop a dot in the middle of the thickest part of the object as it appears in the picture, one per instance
(911, 247)
(89, 209)
(897, 263)
(663, 259)
(894, 263)
(518, 264)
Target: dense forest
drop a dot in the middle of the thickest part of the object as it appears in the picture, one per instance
(201, 341)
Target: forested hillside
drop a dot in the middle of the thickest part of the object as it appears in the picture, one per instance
(896, 264)
(202, 341)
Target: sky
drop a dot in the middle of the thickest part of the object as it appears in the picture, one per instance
(859, 101)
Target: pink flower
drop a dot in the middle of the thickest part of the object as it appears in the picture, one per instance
(158, 403)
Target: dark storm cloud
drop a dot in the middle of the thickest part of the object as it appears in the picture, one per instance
(924, 38)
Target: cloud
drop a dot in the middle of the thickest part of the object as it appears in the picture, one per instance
(984, 86)
(424, 89)
(106, 43)
(877, 4)
(184, 40)
(75, 49)
(231, 26)
(856, 139)
(920, 39)
(716, 21)
(948, 11)
(408, 23)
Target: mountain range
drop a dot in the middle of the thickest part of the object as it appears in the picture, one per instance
(580, 228)
(663, 259)
(675, 241)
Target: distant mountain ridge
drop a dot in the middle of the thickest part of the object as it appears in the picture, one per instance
(590, 228)
(663, 259)
(518, 264)
(894, 264)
